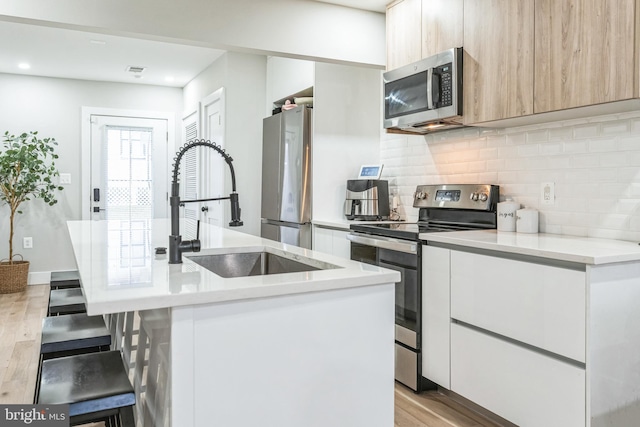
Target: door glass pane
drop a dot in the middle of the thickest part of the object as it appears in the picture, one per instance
(128, 173)
(128, 180)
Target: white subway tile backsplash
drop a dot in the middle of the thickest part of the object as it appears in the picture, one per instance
(516, 139)
(603, 144)
(505, 177)
(575, 176)
(594, 163)
(589, 130)
(551, 148)
(560, 134)
(603, 175)
(559, 162)
(584, 160)
(496, 140)
(575, 146)
(541, 135)
(528, 150)
(615, 128)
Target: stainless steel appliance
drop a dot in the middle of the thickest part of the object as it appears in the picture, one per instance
(286, 177)
(367, 199)
(398, 247)
(425, 96)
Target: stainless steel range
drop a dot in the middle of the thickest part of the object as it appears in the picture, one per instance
(398, 247)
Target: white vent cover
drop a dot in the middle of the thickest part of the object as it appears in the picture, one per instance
(136, 69)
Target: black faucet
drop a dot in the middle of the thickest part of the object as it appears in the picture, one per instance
(176, 245)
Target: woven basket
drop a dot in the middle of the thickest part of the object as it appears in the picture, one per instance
(13, 277)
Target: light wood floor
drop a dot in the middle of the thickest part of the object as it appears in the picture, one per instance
(20, 325)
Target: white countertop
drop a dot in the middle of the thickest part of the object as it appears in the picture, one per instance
(584, 250)
(120, 271)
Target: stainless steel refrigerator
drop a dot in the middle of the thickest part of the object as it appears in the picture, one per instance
(286, 177)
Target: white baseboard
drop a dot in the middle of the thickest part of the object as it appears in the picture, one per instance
(39, 278)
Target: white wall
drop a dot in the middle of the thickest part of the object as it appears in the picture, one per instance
(346, 132)
(243, 77)
(594, 163)
(285, 77)
(293, 28)
(53, 108)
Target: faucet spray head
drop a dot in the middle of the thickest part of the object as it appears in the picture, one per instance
(235, 211)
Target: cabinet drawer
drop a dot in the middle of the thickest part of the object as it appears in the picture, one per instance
(540, 305)
(518, 384)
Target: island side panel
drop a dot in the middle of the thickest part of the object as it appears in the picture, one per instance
(313, 360)
(182, 368)
(613, 363)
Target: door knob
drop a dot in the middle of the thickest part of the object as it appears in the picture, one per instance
(205, 209)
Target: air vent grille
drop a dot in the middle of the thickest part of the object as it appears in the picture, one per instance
(135, 69)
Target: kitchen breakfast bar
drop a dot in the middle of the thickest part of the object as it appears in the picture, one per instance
(308, 343)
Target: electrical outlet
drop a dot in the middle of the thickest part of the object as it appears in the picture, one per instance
(547, 193)
(27, 243)
(65, 178)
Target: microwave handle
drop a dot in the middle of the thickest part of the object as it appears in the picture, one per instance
(430, 89)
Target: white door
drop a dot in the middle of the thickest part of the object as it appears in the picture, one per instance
(189, 172)
(129, 174)
(215, 169)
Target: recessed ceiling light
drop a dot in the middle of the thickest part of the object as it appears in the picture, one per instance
(100, 42)
(24, 66)
(169, 79)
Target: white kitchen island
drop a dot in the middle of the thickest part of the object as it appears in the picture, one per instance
(311, 348)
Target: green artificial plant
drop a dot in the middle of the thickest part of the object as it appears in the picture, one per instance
(27, 169)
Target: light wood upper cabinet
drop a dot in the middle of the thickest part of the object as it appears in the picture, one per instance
(404, 39)
(584, 52)
(498, 60)
(442, 25)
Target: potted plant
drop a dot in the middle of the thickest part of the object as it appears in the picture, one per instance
(27, 170)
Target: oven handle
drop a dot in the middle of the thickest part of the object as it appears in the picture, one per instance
(384, 243)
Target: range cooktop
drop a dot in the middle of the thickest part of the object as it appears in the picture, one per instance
(447, 207)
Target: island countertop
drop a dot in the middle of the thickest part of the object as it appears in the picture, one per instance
(121, 272)
(585, 250)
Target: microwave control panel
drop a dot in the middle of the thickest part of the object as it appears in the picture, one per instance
(446, 85)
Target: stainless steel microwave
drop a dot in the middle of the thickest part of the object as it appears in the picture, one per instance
(425, 96)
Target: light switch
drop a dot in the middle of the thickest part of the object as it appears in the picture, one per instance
(65, 178)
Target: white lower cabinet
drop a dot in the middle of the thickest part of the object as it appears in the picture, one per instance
(331, 241)
(540, 342)
(436, 317)
(519, 384)
(540, 305)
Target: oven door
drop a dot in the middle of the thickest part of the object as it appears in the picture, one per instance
(402, 256)
(407, 295)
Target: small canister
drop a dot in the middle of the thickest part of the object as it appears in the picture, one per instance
(527, 220)
(507, 215)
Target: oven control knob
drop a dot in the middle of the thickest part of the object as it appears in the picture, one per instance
(474, 197)
(420, 195)
(483, 197)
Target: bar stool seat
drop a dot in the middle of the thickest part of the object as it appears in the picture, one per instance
(66, 301)
(95, 386)
(73, 334)
(65, 279)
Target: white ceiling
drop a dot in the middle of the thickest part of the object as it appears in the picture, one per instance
(56, 52)
(373, 5)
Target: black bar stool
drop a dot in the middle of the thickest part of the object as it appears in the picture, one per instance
(71, 334)
(65, 279)
(66, 301)
(96, 387)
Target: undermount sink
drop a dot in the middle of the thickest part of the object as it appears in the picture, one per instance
(242, 264)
